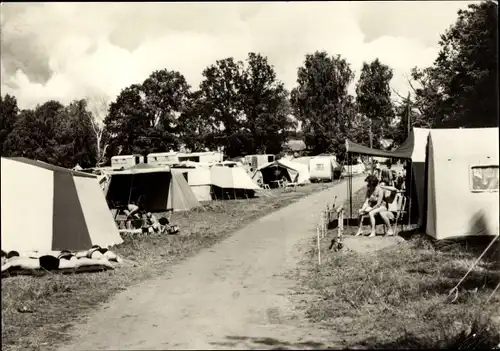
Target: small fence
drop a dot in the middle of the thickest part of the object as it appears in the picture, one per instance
(327, 217)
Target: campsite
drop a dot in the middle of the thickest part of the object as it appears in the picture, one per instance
(180, 176)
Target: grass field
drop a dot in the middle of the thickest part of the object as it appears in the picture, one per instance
(397, 297)
(38, 311)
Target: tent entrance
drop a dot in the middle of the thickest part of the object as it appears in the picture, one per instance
(272, 174)
(413, 169)
(149, 190)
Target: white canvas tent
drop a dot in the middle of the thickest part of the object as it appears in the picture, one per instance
(462, 187)
(46, 208)
(199, 180)
(231, 182)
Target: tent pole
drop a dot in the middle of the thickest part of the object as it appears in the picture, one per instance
(130, 192)
(408, 163)
(350, 186)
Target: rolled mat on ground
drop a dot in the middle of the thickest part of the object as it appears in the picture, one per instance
(38, 263)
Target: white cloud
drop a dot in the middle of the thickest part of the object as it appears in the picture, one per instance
(67, 51)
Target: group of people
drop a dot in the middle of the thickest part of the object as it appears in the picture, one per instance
(383, 185)
(150, 223)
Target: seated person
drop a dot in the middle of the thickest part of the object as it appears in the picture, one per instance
(371, 198)
(132, 212)
(376, 203)
(151, 224)
(170, 228)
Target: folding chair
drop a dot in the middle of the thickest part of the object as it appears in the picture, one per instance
(291, 186)
(398, 209)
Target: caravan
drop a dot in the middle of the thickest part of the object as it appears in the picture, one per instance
(126, 161)
(256, 161)
(201, 157)
(163, 158)
(324, 168)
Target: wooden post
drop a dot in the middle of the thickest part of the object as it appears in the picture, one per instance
(341, 223)
(325, 221)
(319, 246)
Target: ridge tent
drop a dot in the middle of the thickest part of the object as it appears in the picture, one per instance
(199, 180)
(462, 186)
(231, 182)
(293, 172)
(322, 168)
(155, 188)
(49, 208)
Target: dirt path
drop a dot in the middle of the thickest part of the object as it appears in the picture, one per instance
(233, 295)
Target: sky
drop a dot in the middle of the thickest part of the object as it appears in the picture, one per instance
(67, 51)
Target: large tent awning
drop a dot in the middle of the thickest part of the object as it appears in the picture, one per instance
(403, 151)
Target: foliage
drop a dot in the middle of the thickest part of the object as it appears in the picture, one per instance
(373, 96)
(405, 109)
(461, 88)
(8, 114)
(144, 117)
(321, 102)
(243, 108)
(53, 133)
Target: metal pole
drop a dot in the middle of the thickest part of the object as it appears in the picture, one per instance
(370, 133)
(409, 168)
(350, 185)
(408, 115)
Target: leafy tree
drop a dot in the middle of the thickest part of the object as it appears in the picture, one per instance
(53, 133)
(74, 136)
(321, 102)
(8, 115)
(198, 127)
(407, 108)
(461, 88)
(221, 96)
(34, 134)
(144, 118)
(244, 108)
(265, 105)
(359, 130)
(373, 96)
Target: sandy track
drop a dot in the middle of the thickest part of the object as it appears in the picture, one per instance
(233, 295)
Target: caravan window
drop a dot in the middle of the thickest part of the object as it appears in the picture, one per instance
(270, 158)
(484, 178)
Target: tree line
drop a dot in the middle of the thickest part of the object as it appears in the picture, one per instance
(244, 108)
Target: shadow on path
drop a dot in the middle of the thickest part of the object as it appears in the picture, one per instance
(267, 343)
